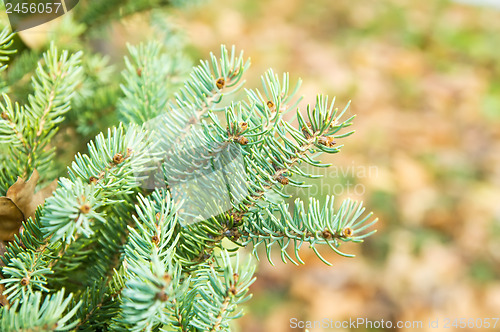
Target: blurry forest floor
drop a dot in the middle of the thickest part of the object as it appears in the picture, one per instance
(423, 77)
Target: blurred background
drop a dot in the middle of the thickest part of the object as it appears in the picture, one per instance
(423, 78)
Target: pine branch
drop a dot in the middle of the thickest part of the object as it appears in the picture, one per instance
(202, 92)
(97, 95)
(317, 226)
(76, 206)
(5, 51)
(271, 157)
(153, 279)
(219, 293)
(71, 211)
(148, 75)
(96, 308)
(28, 130)
(34, 315)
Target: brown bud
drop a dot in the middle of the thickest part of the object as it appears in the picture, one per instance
(243, 140)
(236, 277)
(327, 234)
(5, 116)
(139, 71)
(221, 82)
(326, 141)
(85, 208)
(243, 126)
(347, 232)
(25, 281)
(271, 105)
(162, 296)
(155, 239)
(118, 158)
(283, 180)
(93, 180)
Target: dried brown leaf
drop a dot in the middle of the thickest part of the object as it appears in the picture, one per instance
(10, 219)
(20, 203)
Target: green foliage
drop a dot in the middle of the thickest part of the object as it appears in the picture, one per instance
(151, 75)
(5, 51)
(28, 129)
(124, 251)
(75, 31)
(32, 314)
(319, 225)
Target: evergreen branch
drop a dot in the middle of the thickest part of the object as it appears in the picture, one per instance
(108, 171)
(27, 130)
(271, 158)
(97, 308)
(146, 300)
(210, 81)
(24, 275)
(154, 227)
(71, 211)
(316, 226)
(275, 160)
(28, 260)
(153, 280)
(113, 161)
(12, 123)
(137, 262)
(5, 44)
(150, 75)
(202, 92)
(219, 293)
(32, 314)
(53, 90)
